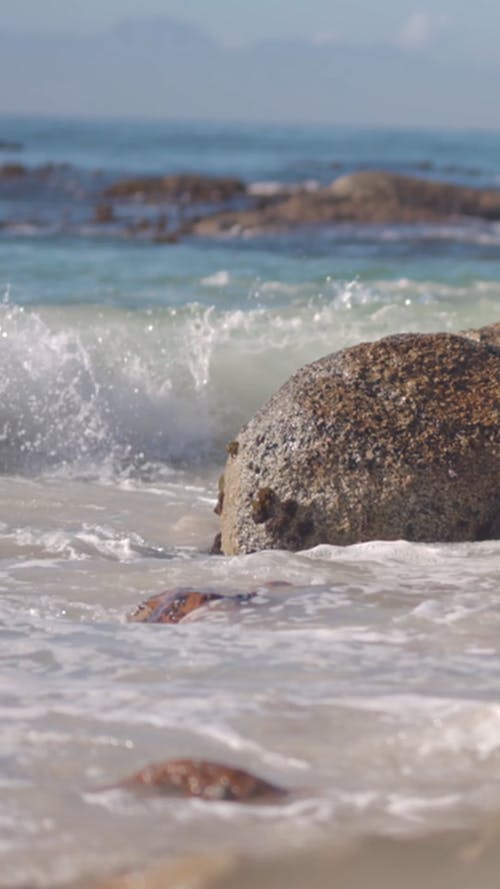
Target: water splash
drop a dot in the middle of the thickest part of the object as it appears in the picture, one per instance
(86, 389)
(49, 394)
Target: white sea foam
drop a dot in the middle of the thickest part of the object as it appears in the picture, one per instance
(84, 389)
(218, 279)
(271, 188)
(328, 687)
(267, 188)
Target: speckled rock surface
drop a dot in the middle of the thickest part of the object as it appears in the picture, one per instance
(208, 780)
(398, 438)
(173, 606)
(488, 335)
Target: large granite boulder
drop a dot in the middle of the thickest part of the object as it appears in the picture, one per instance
(398, 438)
(489, 335)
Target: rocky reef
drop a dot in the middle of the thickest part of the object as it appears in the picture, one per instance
(398, 438)
(185, 187)
(369, 197)
(166, 208)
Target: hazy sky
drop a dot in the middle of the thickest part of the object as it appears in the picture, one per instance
(432, 64)
(460, 29)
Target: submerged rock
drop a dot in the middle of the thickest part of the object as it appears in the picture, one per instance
(172, 606)
(456, 858)
(365, 197)
(398, 438)
(199, 778)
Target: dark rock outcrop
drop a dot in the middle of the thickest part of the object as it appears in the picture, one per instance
(398, 438)
(198, 778)
(190, 188)
(385, 196)
(365, 197)
(12, 171)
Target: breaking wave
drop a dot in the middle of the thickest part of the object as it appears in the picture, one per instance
(83, 388)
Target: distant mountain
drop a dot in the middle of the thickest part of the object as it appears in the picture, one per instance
(167, 68)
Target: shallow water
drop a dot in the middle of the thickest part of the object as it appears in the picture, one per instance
(369, 686)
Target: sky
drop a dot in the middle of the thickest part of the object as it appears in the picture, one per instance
(410, 62)
(458, 29)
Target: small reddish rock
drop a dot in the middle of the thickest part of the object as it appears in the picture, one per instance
(199, 778)
(172, 606)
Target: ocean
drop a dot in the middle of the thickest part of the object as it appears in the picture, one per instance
(369, 685)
